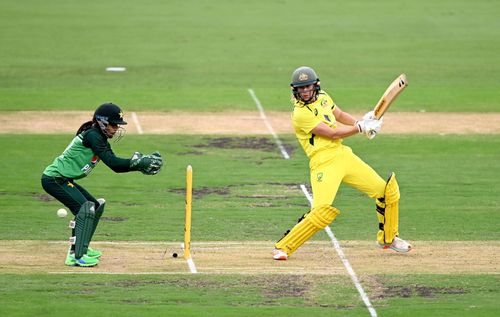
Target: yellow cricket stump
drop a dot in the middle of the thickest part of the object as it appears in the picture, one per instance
(187, 224)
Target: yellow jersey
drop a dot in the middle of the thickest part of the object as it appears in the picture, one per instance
(306, 117)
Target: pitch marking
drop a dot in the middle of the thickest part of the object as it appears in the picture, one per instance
(137, 123)
(285, 154)
(190, 262)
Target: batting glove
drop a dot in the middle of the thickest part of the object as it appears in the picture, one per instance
(370, 115)
(369, 127)
(372, 128)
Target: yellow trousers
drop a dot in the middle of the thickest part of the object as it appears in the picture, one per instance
(330, 168)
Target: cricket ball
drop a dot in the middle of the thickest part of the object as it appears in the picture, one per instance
(62, 212)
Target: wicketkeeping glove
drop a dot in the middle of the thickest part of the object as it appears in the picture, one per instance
(147, 164)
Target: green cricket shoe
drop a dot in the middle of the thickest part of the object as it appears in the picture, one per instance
(70, 259)
(84, 261)
(91, 253)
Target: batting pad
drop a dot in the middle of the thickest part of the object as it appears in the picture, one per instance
(83, 228)
(314, 221)
(388, 212)
(98, 213)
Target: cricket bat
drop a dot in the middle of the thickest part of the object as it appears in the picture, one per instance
(394, 89)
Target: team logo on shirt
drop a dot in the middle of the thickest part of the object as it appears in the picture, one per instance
(319, 176)
(88, 167)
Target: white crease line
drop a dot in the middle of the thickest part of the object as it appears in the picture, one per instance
(344, 260)
(120, 273)
(191, 265)
(153, 243)
(268, 125)
(137, 123)
(306, 193)
(205, 272)
(353, 275)
(200, 244)
(117, 242)
(190, 262)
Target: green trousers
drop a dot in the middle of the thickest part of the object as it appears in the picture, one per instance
(69, 193)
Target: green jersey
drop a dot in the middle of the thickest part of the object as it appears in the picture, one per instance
(82, 155)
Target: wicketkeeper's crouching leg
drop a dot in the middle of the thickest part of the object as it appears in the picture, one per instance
(97, 216)
(315, 220)
(93, 253)
(84, 226)
(388, 214)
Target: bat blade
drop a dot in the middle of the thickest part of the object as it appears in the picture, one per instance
(394, 89)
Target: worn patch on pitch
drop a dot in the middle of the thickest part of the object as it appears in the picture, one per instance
(255, 143)
(113, 219)
(417, 291)
(383, 287)
(195, 153)
(203, 191)
(42, 196)
(261, 195)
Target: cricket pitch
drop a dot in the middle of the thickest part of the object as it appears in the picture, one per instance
(254, 257)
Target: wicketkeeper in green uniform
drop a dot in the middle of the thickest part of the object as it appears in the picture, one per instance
(88, 147)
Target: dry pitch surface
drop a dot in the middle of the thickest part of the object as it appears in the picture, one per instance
(241, 123)
(225, 257)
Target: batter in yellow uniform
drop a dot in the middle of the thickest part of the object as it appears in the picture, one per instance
(315, 118)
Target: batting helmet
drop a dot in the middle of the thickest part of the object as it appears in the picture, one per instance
(304, 76)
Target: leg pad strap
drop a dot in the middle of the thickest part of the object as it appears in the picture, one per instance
(388, 212)
(98, 213)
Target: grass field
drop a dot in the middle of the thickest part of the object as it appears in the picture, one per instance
(203, 57)
(242, 188)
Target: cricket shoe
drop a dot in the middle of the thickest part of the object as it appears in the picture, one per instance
(398, 245)
(84, 261)
(279, 255)
(91, 253)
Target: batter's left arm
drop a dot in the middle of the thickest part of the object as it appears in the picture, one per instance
(343, 117)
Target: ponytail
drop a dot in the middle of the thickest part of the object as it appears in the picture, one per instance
(84, 127)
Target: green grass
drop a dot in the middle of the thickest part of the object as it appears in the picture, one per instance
(237, 295)
(187, 55)
(242, 189)
(439, 295)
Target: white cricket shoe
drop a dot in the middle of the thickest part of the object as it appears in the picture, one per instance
(279, 255)
(398, 245)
